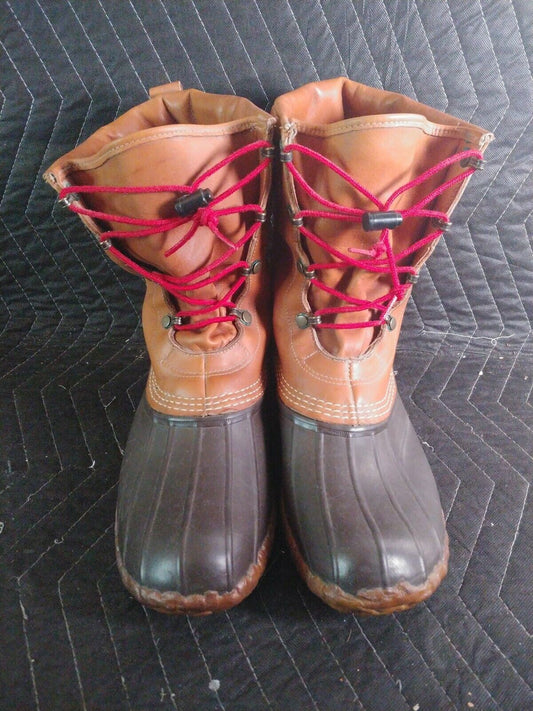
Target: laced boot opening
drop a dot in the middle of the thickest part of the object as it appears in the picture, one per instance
(371, 178)
(334, 100)
(200, 258)
(358, 278)
(125, 180)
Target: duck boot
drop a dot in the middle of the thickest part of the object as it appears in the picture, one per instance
(369, 181)
(175, 191)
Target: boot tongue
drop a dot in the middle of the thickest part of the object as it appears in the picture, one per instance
(191, 263)
(151, 165)
(354, 282)
(381, 161)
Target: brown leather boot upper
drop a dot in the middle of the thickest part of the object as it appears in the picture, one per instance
(383, 141)
(172, 139)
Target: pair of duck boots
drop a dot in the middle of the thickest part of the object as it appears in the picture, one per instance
(177, 191)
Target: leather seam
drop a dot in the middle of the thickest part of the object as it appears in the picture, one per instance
(97, 160)
(161, 396)
(423, 124)
(297, 397)
(236, 368)
(302, 361)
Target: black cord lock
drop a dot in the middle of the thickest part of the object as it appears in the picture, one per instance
(190, 203)
(373, 221)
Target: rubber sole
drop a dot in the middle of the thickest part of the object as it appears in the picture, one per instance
(369, 602)
(173, 603)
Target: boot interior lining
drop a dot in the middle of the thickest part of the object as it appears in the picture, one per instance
(336, 100)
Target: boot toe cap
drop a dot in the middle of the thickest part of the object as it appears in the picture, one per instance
(192, 528)
(363, 513)
(206, 566)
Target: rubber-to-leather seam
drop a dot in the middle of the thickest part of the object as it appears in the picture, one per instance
(331, 429)
(173, 603)
(370, 601)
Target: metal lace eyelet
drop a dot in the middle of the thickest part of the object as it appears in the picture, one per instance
(441, 223)
(268, 152)
(245, 317)
(285, 156)
(388, 318)
(296, 221)
(302, 268)
(254, 268)
(304, 320)
(169, 320)
(261, 216)
(390, 322)
(473, 162)
(412, 278)
(68, 199)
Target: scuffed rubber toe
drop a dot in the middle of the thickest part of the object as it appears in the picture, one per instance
(192, 526)
(362, 512)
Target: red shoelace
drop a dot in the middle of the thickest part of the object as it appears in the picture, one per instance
(207, 216)
(381, 258)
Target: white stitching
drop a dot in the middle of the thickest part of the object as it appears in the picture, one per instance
(244, 48)
(149, 39)
(208, 35)
(242, 396)
(335, 409)
(154, 134)
(414, 121)
(172, 25)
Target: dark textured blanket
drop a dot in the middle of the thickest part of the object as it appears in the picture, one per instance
(72, 369)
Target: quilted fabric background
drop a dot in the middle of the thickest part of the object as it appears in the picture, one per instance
(72, 368)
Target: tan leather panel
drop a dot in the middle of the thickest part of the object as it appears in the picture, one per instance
(314, 382)
(335, 100)
(383, 141)
(172, 139)
(193, 110)
(188, 381)
(165, 89)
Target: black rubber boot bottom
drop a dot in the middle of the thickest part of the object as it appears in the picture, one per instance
(362, 512)
(192, 524)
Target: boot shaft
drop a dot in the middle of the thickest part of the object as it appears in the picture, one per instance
(206, 307)
(349, 152)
